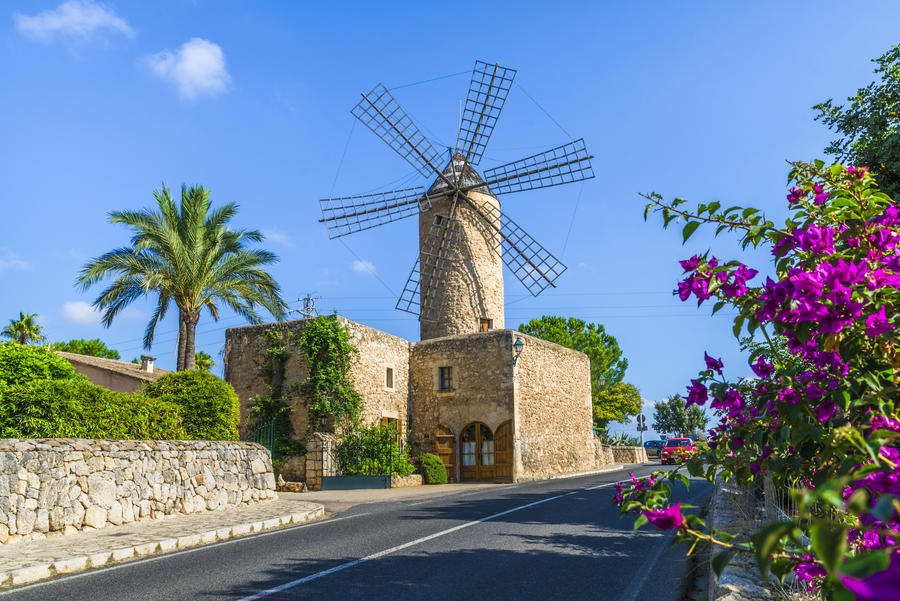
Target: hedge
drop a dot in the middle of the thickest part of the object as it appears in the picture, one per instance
(209, 405)
(432, 469)
(75, 408)
(21, 363)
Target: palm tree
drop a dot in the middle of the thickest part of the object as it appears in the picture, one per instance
(203, 361)
(24, 330)
(187, 256)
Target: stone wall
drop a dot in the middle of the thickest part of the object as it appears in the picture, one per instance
(53, 486)
(482, 388)
(629, 455)
(553, 424)
(378, 351)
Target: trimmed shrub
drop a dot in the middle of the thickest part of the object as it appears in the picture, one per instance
(75, 408)
(432, 469)
(20, 363)
(371, 451)
(209, 405)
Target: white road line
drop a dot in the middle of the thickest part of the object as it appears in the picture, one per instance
(356, 562)
(128, 564)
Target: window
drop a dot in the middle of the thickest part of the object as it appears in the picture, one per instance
(485, 324)
(439, 220)
(445, 378)
(389, 377)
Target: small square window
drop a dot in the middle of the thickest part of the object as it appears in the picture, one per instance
(439, 220)
(485, 324)
(389, 377)
(445, 378)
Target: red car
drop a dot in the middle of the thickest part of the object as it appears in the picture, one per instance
(676, 450)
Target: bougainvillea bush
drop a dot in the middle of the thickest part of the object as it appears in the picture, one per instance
(824, 421)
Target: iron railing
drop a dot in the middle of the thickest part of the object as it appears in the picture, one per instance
(262, 432)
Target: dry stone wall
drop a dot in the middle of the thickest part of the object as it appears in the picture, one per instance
(378, 352)
(553, 431)
(54, 486)
(629, 455)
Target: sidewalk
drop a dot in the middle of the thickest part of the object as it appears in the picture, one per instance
(22, 563)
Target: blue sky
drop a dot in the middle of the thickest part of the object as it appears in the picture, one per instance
(101, 103)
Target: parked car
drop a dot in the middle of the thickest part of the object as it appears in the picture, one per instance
(676, 450)
(653, 447)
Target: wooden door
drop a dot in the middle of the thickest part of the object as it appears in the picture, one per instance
(503, 452)
(445, 448)
(477, 453)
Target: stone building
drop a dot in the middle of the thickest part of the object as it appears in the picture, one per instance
(113, 374)
(488, 414)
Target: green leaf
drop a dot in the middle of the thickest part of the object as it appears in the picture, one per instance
(885, 508)
(766, 540)
(688, 230)
(860, 566)
(829, 541)
(721, 560)
(640, 521)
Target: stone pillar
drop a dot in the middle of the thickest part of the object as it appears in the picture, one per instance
(320, 459)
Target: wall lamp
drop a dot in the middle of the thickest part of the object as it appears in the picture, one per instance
(518, 345)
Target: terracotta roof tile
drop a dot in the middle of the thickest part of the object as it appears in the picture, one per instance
(115, 366)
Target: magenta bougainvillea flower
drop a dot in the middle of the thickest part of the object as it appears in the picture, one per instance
(669, 518)
(713, 364)
(877, 323)
(880, 586)
(697, 394)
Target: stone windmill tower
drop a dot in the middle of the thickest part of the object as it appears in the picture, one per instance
(456, 284)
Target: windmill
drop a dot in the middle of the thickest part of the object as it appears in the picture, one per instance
(456, 284)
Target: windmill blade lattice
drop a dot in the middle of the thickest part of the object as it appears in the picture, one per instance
(561, 165)
(383, 115)
(350, 214)
(526, 258)
(441, 251)
(487, 93)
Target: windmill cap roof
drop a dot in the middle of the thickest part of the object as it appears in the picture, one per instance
(455, 166)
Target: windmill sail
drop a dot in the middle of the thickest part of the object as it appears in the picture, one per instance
(441, 252)
(487, 93)
(561, 165)
(529, 261)
(349, 214)
(383, 115)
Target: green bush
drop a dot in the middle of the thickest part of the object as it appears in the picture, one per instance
(209, 406)
(75, 408)
(373, 451)
(20, 363)
(432, 469)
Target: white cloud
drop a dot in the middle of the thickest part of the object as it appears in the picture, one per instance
(84, 314)
(365, 267)
(10, 260)
(81, 313)
(73, 19)
(196, 69)
(279, 237)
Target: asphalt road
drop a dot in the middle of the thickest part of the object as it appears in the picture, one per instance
(560, 539)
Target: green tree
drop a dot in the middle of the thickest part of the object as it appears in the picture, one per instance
(671, 417)
(612, 399)
(203, 361)
(92, 348)
(188, 256)
(869, 125)
(25, 329)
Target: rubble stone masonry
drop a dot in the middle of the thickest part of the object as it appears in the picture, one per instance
(53, 486)
(482, 383)
(553, 422)
(378, 352)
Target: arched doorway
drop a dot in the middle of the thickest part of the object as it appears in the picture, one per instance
(445, 448)
(477, 452)
(503, 452)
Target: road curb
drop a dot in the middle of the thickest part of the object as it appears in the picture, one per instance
(70, 565)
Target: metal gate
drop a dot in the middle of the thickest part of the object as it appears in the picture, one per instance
(263, 432)
(357, 463)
